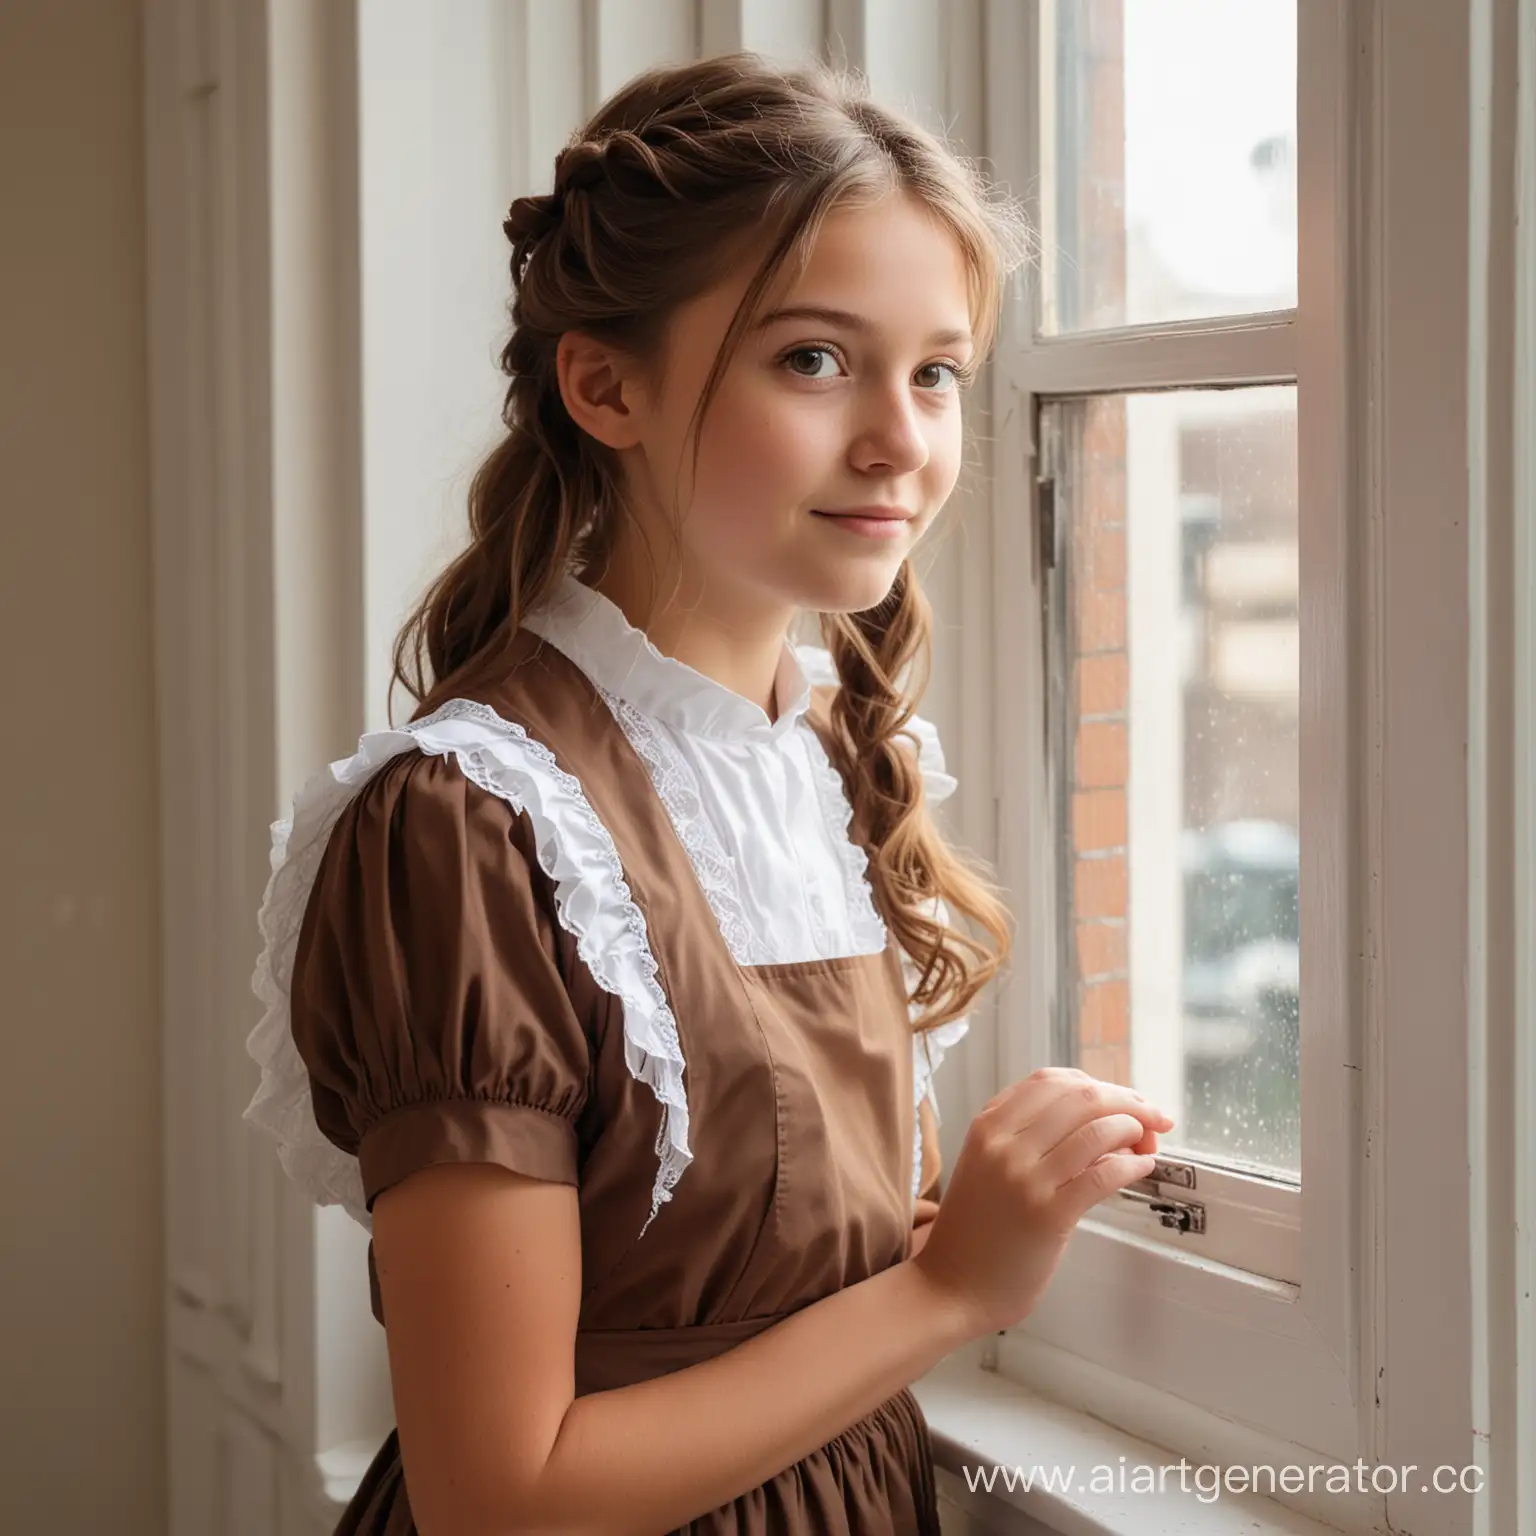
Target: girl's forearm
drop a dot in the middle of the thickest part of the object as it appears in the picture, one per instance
(644, 1459)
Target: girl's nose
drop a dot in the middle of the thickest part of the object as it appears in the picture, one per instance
(892, 438)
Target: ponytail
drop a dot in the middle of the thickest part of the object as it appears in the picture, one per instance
(525, 506)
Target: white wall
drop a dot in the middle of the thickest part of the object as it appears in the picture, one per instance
(82, 1423)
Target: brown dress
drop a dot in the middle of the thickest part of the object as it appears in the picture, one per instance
(444, 1014)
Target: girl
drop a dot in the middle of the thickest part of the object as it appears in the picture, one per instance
(607, 990)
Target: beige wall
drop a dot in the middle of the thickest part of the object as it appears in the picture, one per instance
(82, 1427)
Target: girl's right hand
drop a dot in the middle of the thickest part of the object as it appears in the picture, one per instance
(1034, 1161)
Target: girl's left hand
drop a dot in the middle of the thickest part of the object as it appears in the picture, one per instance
(922, 1222)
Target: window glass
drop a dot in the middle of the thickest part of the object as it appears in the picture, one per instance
(1168, 160)
(1175, 640)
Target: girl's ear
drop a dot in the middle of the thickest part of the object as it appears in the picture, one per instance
(600, 389)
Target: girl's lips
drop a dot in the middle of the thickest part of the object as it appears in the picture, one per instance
(869, 527)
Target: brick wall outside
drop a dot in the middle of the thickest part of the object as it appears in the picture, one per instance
(1100, 670)
(1100, 770)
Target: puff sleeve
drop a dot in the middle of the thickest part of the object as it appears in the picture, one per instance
(430, 1002)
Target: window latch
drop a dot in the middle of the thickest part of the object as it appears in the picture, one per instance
(1178, 1215)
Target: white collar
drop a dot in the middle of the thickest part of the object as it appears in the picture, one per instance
(593, 632)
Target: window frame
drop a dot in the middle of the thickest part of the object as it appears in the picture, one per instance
(1308, 1352)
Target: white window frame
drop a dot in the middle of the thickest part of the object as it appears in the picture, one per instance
(1030, 371)
(1179, 1349)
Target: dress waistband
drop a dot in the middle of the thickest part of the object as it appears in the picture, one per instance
(618, 1357)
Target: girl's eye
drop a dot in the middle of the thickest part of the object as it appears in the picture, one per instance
(939, 377)
(816, 356)
(824, 363)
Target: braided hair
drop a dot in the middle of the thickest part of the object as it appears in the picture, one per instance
(683, 172)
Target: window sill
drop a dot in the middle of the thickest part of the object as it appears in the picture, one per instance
(983, 1426)
(340, 1471)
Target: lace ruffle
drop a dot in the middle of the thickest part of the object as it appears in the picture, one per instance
(677, 786)
(593, 902)
(718, 875)
(928, 1050)
(868, 926)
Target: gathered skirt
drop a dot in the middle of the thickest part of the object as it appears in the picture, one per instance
(874, 1479)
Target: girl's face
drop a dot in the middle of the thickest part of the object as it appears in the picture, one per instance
(843, 396)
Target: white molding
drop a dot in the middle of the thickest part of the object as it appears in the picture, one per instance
(1253, 349)
(254, 369)
(225, 278)
(549, 87)
(1417, 1292)
(203, 462)
(318, 611)
(847, 32)
(626, 36)
(1501, 770)
(1330, 274)
(206, 99)
(1486, 931)
(1523, 1019)
(1020, 770)
(786, 30)
(965, 645)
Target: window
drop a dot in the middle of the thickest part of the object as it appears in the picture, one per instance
(1172, 594)
(1167, 138)
(1171, 808)
(1175, 642)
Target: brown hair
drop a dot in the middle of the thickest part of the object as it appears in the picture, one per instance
(678, 173)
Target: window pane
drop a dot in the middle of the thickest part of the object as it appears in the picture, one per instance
(1175, 649)
(1167, 159)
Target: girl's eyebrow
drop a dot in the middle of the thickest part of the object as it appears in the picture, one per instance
(849, 321)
